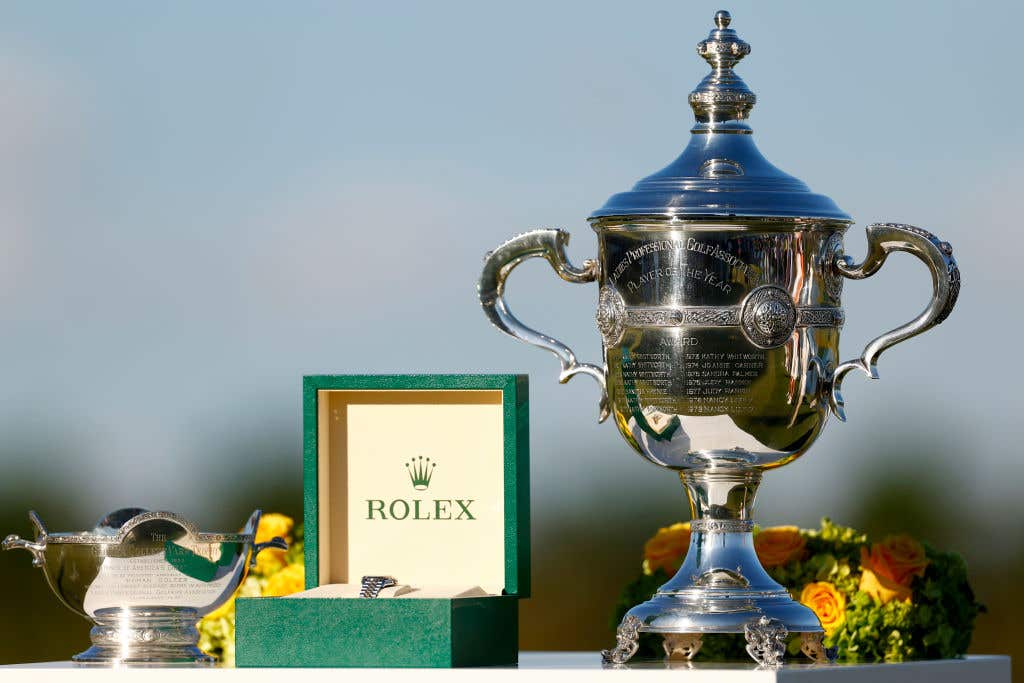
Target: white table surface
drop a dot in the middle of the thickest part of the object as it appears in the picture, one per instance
(564, 667)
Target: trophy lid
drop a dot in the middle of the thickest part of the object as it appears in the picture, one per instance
(721, 173)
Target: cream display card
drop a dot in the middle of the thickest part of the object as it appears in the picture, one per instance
(412, 486)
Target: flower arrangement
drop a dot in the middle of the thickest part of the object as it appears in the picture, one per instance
(277, 572)
(890, 601)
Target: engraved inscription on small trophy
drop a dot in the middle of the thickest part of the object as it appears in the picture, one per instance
(144, 580)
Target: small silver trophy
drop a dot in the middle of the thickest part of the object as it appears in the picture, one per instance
(719, 306)
(144, 579)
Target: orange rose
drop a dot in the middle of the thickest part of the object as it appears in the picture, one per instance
(889, 568)
(828, 604)
(778, 545)
(667, 548)
(880, 587)
(904, 558)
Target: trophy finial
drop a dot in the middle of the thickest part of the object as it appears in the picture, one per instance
(722, 95)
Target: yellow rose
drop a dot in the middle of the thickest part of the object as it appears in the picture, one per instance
(827, 602)
(272, 559)
(291, 579)
(667, 548)
(779, 545)
(274, 524)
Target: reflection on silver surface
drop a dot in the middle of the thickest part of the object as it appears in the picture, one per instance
(720, 282)
(144, 579)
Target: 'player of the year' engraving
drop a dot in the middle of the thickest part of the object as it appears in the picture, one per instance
(710, 273)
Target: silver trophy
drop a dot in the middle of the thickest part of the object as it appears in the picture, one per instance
(719, 307)
(144, 579)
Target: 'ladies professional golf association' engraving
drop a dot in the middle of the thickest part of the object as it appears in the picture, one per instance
(720, 282)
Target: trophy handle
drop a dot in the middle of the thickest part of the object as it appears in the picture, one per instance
(257, 548)
(15, 542)
(38, 549)
(883, 239)
(549, 244)
(37, 524)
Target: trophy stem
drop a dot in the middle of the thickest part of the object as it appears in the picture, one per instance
(144, 636)
(722, 495)
(721, 563)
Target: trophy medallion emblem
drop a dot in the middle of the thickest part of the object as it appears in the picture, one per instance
(720, 311)
(769, 316)
(611, 315)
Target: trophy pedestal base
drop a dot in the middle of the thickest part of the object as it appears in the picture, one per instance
(766, 622)
(671, 613)
(722, 588)
(143, 635)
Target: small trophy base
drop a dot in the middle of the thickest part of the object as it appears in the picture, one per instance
(144, 636)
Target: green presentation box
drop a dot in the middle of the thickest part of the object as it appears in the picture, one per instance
(420, 477)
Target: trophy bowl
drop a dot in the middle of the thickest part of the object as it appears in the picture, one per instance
(719, 307)
(144, 579)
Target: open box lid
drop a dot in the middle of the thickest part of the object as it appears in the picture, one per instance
(420, 477)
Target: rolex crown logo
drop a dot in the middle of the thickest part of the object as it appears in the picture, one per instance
(420, 471)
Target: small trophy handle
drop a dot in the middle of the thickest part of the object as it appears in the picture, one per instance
(549, 244)
(14, 542)
(38, 549)
(257, 548)
(883, 239)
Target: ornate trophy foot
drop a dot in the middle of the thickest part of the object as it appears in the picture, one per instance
(682, 645)
(811, 645)
(766, 641)
(627, 640)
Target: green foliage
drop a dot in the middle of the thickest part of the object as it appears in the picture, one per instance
(937, 623)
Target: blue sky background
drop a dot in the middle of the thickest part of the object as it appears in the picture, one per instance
(200, 202)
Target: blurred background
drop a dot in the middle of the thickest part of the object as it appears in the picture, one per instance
(199, 203)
